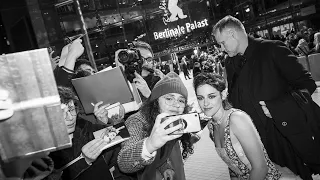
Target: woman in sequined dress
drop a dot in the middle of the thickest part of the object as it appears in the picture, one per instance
(236, 139)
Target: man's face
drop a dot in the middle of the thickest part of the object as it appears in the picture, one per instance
(227, 41)
(70, 116)
(148, 57)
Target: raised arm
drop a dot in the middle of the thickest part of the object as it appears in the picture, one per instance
(75, 50)
(130, 156)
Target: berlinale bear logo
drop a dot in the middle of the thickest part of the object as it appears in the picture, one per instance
(174, 9)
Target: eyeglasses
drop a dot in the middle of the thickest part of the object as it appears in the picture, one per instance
(172, 101)
(149, 59)
(71, 110)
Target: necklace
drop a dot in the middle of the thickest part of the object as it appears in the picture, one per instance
(219, 121)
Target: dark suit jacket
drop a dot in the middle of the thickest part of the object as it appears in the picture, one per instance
(274, 71)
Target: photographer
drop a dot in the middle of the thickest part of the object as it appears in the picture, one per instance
(148, 76)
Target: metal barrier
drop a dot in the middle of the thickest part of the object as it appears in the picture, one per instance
(314, 60)
(312, 64)
(303, 60)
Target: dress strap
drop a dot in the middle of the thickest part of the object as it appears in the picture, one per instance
(232, 111)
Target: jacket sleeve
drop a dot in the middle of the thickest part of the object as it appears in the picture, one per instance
(130, 156)
(63, 76)
(289, 67)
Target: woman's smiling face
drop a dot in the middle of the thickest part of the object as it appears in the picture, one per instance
(172, 103)
(209, 99)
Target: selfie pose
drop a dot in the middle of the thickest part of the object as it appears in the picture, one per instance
(147, 151)
(236, 139)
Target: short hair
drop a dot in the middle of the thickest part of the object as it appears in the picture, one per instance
(214, 80)
(66, 94)
(80, 62)
(141, 44)
(227, 22)
(82, 73)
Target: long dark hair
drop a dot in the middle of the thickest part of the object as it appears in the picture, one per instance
(150, 110)
(214, 80)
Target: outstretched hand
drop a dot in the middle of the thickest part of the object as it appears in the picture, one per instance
(160, 135)
(142, 85)
(93, 149)
(101, 113)
(158, 73)
(76, 48)
(54, 60)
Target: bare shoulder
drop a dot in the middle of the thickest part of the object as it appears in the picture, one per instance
(240, 122)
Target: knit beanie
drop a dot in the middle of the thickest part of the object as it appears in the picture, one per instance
(170, 83)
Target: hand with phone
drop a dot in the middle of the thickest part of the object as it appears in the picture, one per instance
(189, 123)
(54, 60)
(160, 134)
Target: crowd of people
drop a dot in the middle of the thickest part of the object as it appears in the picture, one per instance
(301, 43)
(255, 96)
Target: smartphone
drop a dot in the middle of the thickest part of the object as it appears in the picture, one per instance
(190, 123)
(52, 49)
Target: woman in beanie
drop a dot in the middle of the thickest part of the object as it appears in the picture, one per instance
(150, 145)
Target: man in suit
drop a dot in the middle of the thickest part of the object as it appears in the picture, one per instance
(261, 74)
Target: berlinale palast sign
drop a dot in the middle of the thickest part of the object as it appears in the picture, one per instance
(171, 13)
(179, 30)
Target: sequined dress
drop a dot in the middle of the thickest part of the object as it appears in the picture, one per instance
(233, 155)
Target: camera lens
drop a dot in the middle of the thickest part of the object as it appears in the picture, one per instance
(123, 56)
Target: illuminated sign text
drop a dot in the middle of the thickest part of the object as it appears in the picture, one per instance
(179, 30)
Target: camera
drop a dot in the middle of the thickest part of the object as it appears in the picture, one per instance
(190, 123)
(132, 61)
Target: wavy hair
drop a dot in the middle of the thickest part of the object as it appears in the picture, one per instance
(66, 94)
(214, 80)
(150, 110)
